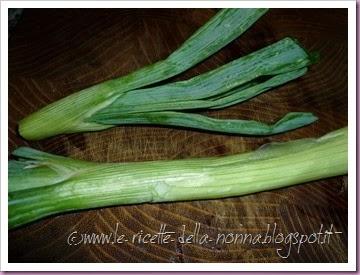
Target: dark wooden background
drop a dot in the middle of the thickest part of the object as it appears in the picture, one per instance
(53, 53)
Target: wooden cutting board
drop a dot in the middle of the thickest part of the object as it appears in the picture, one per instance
(53, 53)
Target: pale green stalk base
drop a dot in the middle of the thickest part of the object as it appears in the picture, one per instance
(42, 184)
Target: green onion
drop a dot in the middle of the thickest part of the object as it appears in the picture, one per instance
(68, 114)
(42, 184)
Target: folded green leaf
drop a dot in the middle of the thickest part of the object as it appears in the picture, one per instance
(237, 96)
(232, 83)
(91, 185)
(234, 96)
(68, 114)
(281, 57)
(289, 122)
(285, 56)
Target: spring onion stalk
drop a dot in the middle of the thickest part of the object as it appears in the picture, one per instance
(68, 114)
(42, 184)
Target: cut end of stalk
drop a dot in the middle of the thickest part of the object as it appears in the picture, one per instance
(40, 125)
(24, 130)
(45, 124)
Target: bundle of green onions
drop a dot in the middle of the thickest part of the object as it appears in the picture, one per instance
(127, 100)
(42, 184)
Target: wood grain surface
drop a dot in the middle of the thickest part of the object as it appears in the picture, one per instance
(54, 52)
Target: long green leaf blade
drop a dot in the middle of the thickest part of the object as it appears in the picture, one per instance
(289, 122)
(230, 98)
(278, 58)
(245, 94)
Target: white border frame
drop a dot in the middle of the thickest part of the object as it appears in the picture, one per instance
(350, 266)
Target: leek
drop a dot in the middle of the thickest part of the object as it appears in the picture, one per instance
(232, 83)
(68, 114)
(42, 184)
